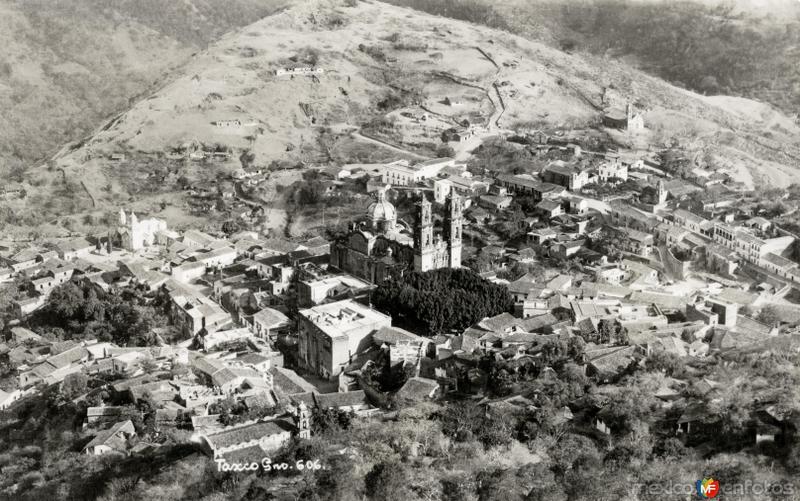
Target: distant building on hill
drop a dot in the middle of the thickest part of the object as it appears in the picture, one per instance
(628, 119)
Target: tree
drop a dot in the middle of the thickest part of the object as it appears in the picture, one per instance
(247, 158)
(148, 365)
(445, 150)
(330, 420)
(231, 226)
(664, 361)
(388, 481)
(709, 85)
(74, 385)
(769, 315)
(605, 331)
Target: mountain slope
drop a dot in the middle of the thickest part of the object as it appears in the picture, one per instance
(67, 64)
(384, 68)
(746, 48)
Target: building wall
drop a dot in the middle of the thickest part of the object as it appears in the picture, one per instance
(400, 175)
(187, 274)
(440, 190)
(143, 233)
(348, 256)
(327, 357)
(226, 259)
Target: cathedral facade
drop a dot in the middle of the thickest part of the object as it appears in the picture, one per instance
(134, 234)
(380, 248)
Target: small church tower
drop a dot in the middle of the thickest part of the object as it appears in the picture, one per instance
(453, 225)
(662, 192)
(424, 246)
(302, 421)
(123, 219)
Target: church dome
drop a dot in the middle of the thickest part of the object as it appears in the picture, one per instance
(381, 210)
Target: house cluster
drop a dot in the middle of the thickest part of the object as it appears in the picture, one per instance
(43, 269)
(228, 297)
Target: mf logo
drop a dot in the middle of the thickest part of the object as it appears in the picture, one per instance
(707, 488)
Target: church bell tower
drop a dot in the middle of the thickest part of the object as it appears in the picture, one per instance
(424, 247)
(453, 225)
(302, 421)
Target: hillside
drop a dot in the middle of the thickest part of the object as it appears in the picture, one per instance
(386, 72)
(745, 48)
(68, 64)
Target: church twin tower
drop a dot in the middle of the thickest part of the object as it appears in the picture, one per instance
(443, 251)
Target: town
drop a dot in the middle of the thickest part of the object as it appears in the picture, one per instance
(249, 336)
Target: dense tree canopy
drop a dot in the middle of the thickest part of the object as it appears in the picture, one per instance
(74, 311)
(442, 300)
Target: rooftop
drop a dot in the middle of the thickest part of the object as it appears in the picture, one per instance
(289, 382)
(245, 433)
(270, 317)
(394, 335)
(336, 319)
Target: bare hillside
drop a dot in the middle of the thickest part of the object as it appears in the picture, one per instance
(386, 81)
(67, 64)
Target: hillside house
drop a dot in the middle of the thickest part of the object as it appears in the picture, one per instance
(226, 124)
(113, 440)
(549, 209)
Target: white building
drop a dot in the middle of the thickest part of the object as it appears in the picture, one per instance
(401, 173)
(750, 247)
(135, 234)
(612, 168)
(330, 334)
(441, 188)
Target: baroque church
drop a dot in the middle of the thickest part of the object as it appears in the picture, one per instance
(135, 235)
(383, 247)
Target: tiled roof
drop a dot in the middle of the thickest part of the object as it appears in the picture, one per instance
(253, 453)
(270, 317)
(68, 357)
(231, 374)
(340, 399)
(538, 322)
(246, 433)
(252, 358)
(418, 388)
(107, 435)
(103, 411)
(207, 365)
(394, 335)
(498, 322)
(614, 360)
(289, 382)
